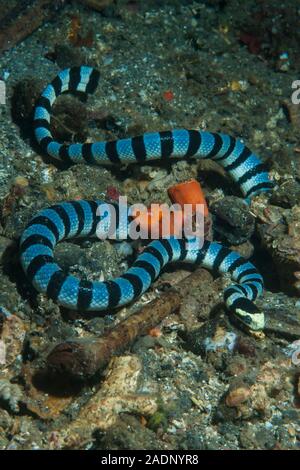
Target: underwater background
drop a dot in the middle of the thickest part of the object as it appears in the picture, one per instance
(194, 379)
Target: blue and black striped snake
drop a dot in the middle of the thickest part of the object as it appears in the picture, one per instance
(80, 218)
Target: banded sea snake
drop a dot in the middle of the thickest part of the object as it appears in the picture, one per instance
(79, 218)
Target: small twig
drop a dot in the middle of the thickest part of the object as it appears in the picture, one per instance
(82, 358)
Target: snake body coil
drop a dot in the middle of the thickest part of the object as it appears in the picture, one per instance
(79, 218)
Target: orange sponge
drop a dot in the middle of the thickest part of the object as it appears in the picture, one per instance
(189, 192)
(151, 220)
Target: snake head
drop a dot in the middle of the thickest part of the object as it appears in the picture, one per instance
(254, 320)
